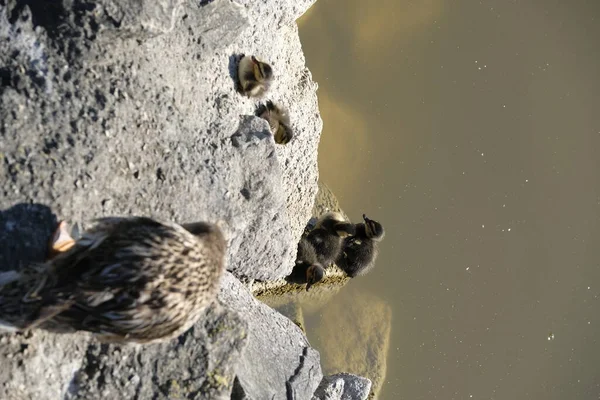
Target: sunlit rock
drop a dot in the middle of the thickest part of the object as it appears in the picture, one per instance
(343, 387)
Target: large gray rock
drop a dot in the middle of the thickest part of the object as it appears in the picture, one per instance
(277, 362)
(343, 387)
(199, 364)
(114, 107)
(39, 365)
(120, 108)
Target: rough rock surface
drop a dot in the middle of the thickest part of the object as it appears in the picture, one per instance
(50, 366)
(277, 362)
(343, 387)
(39, 365)
(199, 364)
(114, 107)
(117, 108)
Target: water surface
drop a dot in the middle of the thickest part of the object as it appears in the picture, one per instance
(471, 130)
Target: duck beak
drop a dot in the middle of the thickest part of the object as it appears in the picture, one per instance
(61, 240)
(365, 218)
(254, 60)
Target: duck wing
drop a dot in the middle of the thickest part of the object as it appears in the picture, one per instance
(105, 276)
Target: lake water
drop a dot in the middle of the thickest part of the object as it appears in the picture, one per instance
(471, 130)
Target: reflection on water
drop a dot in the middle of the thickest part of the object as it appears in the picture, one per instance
(350, 155)
(470, 130)
(354, 336)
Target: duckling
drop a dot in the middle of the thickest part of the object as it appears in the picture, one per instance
(278, 120)
(125, 280)
(328, 235)
(360, 250)
(254, 76)
(307, 269)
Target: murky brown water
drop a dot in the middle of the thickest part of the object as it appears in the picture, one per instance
(471, 129)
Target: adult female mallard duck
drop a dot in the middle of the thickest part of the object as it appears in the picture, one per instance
(125, 280)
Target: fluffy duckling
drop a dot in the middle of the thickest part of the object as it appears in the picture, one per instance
(307, 269)
(360, 250)
(125, 280)
(278, 120)
(328, 235)
(254, 76)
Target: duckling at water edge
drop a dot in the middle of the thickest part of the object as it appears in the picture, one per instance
(360, 250)
(307, 269)
(327, 237)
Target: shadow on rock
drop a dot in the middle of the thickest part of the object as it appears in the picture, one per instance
(243, 137)
(24, 233)
(234, 60)
(49, 15)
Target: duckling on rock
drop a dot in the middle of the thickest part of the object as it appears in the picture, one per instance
(328, 235)
(307, 269)
(254, 76)
(125, 280)
(278, 120)
(360, 250)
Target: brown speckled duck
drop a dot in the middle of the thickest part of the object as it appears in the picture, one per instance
(125, 280)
